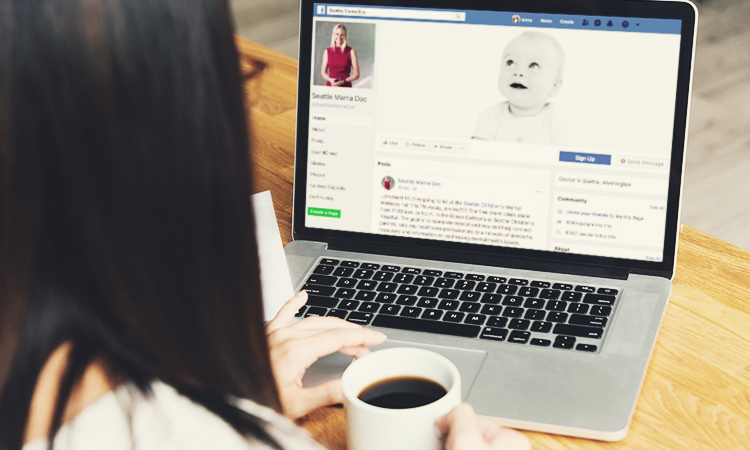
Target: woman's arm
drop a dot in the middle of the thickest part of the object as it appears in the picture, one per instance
(355, 68)
(324, 67)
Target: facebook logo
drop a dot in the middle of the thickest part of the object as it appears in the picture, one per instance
(321, 9)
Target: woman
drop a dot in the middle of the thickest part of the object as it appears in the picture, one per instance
(129, 289)
(340, 65)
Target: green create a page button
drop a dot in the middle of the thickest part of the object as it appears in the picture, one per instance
(336, 213)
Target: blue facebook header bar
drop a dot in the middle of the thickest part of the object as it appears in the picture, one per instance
(519, 19)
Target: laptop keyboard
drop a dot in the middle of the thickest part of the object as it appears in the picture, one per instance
(470, 305)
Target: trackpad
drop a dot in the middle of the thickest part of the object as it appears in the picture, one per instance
(469, 362)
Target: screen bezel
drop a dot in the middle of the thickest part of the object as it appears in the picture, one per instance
(498, 255)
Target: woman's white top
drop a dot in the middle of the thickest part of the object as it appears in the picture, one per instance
(125, 419)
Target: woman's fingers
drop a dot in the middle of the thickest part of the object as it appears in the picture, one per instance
(330, 341)
(320, 323)
(462, 428)
(287, 312)
(308, 399)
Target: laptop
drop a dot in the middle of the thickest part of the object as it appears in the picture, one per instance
(498, 182)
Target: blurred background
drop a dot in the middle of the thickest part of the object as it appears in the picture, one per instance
(717, 172)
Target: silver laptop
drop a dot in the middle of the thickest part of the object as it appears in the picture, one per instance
(500, 186)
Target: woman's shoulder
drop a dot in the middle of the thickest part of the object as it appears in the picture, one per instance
(125, 418)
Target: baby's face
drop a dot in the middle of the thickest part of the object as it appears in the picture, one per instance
(530, 72)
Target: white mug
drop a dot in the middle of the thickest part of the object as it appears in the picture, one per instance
(371, 427)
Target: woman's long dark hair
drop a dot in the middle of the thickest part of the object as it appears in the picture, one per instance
(125, 220)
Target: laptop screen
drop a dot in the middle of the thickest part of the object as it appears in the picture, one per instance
(507, 129)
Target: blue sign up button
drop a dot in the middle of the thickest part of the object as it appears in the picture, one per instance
(586, 158)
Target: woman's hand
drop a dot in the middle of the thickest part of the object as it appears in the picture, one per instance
(338, 83)
(465, 431)
(296, 347)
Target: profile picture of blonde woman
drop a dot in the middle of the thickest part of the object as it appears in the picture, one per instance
(388, 183)
(340, 65)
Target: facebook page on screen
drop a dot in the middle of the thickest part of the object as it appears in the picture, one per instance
(536, 131)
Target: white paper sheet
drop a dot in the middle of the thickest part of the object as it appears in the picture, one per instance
(274, 273)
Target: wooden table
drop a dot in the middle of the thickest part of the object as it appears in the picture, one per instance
(697, 389)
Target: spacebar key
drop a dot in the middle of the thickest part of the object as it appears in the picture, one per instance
(430, 326)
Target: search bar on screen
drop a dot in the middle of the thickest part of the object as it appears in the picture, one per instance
(454, 16)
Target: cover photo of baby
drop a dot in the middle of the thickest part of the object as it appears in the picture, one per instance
(531, 73)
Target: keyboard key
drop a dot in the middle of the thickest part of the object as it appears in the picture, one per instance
(555, 305)
(465, 285)
(349, 264)
(497, 280)
(450, 294)
(325, 291)
(382, 276)
(570, 296)
(411, 270)
(330, 262)
(519, 324)
(511, 311)
(362, 318)
(557, 317)
(408, 289)
(367, 296)
(403, 278)
(453, 316)
(497, 322)
(474, 277)
(600, 311)
(552, 294)
(390, 268)
(422, 280)
(386, 297)
(541, 284)
(432, 273)
(386, 287)
(588, 321)
(367, 285)
(444, 283)
(507, 289)
(492, 310)
(585, 289)
(586, 348)
(432, 314)
(564, 342)
(485, 287)
(428, 291)
(598, 299)
(541, 327)
(323, 280)
(519, 337)
(324, 270)
(541, 342)
(528, 291)
(346, 282)
(536, 303)
(343, 272)
(390, 309)
(426, 302)
(511, 300)
(518, 281)
(301, 312)
(370, 266)
(475, 319)
(408, 300)
(345, 293)
(469, 307)
(448, 305)
(563, 286)
(578, 308)
(456, 275)
(369, 307)
(470, 296)
(429, 326)
(340, 313)
(410, 311)
(326, 302)
(534, 314)
(494, 334)
(607, 291)
(492, 298)
(363, 274)
(575, 330)
(348, 304)
(316, 311)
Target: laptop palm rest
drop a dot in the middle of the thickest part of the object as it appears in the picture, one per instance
(469, 362)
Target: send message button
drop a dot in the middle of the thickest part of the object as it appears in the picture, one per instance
(586, 158)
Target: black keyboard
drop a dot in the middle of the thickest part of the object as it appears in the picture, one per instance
(470, 305)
